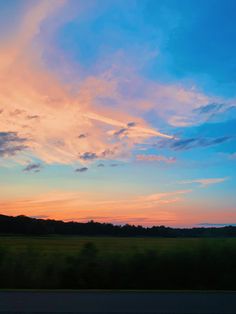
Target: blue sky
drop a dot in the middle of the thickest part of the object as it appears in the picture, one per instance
(120, 111)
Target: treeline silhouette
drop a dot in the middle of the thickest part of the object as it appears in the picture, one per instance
(31, 226)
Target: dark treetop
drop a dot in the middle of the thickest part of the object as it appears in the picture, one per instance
(32, 226)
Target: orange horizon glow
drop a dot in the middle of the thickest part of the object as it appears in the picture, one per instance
(167, 209)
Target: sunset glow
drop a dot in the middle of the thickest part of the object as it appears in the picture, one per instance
(118, 111)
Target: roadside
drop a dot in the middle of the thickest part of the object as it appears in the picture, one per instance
(118, 302)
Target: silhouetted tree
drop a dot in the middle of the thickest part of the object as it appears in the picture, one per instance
(32, 226)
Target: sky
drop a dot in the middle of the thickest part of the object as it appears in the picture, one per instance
(119, 111)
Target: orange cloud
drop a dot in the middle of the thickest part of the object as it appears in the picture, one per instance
(169, 208)
(61, 205)
(51, 115)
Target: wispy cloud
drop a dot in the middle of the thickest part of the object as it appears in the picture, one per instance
(209, 109)
(131, 124)
(190, 143)
(88, 156)
(33, 167)
(160, 158)
(46, 111)
(82, 205)
(11, 144)
(82, 135)
(165, 197)
(82, 169)
(205, 182)
(67, 112)
(208, 224)
(100, 165)
(40, 216)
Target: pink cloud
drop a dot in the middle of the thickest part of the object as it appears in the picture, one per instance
(57, 204)
(205, 182)
(160, 158)
(66, 110)
(63, 112)
(169, 208)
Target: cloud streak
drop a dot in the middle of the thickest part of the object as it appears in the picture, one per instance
(80, 204)
(209, 109)
(160, 158)
(205, 182)
(11, 144)
(194, 142)
(82, 169)
(33, 167)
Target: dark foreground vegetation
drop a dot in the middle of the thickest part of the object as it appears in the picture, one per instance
(32, 226)
(56, 262)
(115, 257)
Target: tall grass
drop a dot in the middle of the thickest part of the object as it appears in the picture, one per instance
(206, 265)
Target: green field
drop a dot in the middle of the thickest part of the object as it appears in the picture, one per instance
(73, 262)
(73, 244)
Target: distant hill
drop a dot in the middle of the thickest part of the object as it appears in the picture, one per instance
(32, 226)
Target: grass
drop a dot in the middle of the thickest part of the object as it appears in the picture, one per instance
(73, 262)
(70, 244)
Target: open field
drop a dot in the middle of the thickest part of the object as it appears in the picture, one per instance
(73, 244)
(117, 263)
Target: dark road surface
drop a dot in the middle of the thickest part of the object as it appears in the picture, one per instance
(118, 302)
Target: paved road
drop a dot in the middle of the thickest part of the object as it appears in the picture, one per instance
(118, 302)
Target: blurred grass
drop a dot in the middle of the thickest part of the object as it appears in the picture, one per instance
(70, 244)
(73, 262)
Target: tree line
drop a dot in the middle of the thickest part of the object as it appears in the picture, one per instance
(31, 226)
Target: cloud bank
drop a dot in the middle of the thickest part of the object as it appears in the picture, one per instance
(52, 117)
(67, 123)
